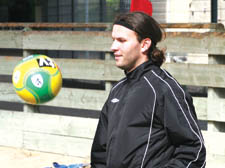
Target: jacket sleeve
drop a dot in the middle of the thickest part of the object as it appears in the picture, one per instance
(182, 128)
(98, 151)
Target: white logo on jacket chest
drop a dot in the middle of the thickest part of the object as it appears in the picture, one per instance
(115, 100)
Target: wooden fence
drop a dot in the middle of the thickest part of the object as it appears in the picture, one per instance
(70, 131)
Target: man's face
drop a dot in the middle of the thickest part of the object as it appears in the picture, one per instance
(126, 48)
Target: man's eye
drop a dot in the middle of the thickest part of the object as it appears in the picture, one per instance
(121, 40)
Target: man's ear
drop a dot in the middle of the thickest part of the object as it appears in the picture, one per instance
(145, 45)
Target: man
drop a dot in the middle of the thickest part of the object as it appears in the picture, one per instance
(148, 120)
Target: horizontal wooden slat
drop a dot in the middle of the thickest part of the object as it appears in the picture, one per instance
(7, 64)
(66, 145)
(60, 125)
(198, 74)
(212, 26)
(82, 69)
(11, 39)
(185, 42)
(12, 137)
(80, 98)
(207, 43)
(87, 99)
(194, 42)
(70, 68)
(11, 125)
(68, 135)
(107, 25)
(7, 93)
(71, 98)
(49, 124)
(55, 25)
(67, 40)
(187, 74)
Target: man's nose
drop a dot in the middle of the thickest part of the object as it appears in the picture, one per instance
(114, 46)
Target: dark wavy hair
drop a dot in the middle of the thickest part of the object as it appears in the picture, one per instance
(145, 27)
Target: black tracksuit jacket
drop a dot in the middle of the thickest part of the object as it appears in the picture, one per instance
(148, 121)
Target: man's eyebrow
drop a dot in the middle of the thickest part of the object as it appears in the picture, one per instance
(118, 37)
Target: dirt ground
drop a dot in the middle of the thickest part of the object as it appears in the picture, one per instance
(20, 158)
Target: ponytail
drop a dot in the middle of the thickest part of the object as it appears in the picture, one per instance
(157, 56)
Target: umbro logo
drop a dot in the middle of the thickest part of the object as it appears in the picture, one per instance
(115, 100)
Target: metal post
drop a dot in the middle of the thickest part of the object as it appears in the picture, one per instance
(87, 20)
(214, 10)
(102, 13)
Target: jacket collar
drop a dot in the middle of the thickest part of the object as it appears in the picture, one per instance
(137, 72)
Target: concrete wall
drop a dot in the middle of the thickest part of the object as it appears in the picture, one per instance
(221, 11)
(186, 11)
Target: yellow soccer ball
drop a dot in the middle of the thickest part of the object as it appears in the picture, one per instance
(37, 79)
